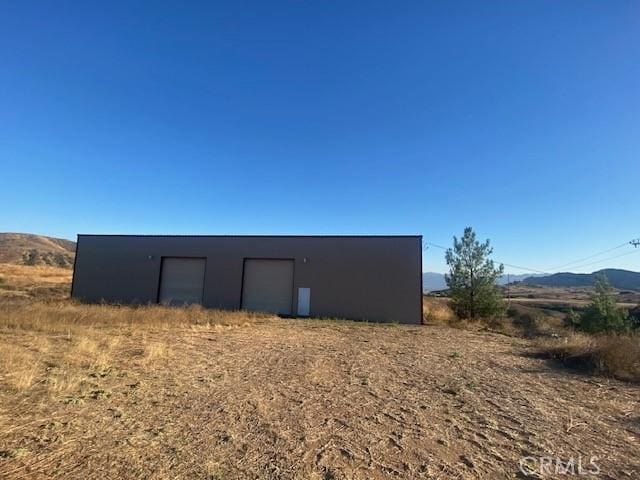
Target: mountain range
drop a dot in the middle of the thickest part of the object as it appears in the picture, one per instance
(432, 281)
(621, 279)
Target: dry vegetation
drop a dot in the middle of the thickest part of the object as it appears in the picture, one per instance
(519, 320)
(28, 282)
(436, 311)
(62, 340)
(152, 392)
(562, 297)
(29, 249)
(615, 355)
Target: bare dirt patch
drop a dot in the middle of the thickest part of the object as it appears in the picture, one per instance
(202, 394)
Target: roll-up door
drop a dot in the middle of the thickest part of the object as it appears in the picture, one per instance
(181, 281)
(268, 285)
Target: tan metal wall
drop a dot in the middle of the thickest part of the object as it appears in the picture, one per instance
(375, 278)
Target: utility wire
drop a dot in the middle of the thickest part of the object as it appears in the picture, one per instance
(635, 243)
(435, 245)
(523, 268)
(507, 264)
(591, 256)
(607, 259)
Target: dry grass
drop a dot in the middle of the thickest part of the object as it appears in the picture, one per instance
(529, 322)
(436, 311)
(28, 282)
(519, 320)
(67, 317)
(66, 341)
(617, 355)
(564, 297)
(120, 392)
(97, 391)
(29, 249)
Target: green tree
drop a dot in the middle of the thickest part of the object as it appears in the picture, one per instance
(603, 315)
(472, 278)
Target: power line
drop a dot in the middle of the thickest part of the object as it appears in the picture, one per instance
(522, 268)
(607, 259)
(435, 245)
(634, 242)
(591, 256)
(498, 261)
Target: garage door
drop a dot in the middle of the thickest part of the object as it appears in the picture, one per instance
(181, 281)
(268, 285)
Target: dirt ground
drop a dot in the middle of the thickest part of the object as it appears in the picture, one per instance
(304, 399)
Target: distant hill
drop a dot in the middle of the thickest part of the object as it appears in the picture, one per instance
(432, 281)
(29, 249)
(504, 279)
(622, 279)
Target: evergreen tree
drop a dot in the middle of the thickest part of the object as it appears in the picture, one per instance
(472, 278)
(603, 315)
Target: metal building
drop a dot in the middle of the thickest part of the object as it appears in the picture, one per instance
(375, 278)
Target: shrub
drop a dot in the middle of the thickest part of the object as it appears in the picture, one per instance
(437, 311)
(533, 321)
(612, 354)
(602, 315)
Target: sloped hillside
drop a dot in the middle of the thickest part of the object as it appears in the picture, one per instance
(29, 249)
(622, 279)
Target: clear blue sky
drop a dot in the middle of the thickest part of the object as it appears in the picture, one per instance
(520, 118)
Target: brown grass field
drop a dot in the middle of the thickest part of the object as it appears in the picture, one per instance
(30, 282)
(564, 296)
(94, 391)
